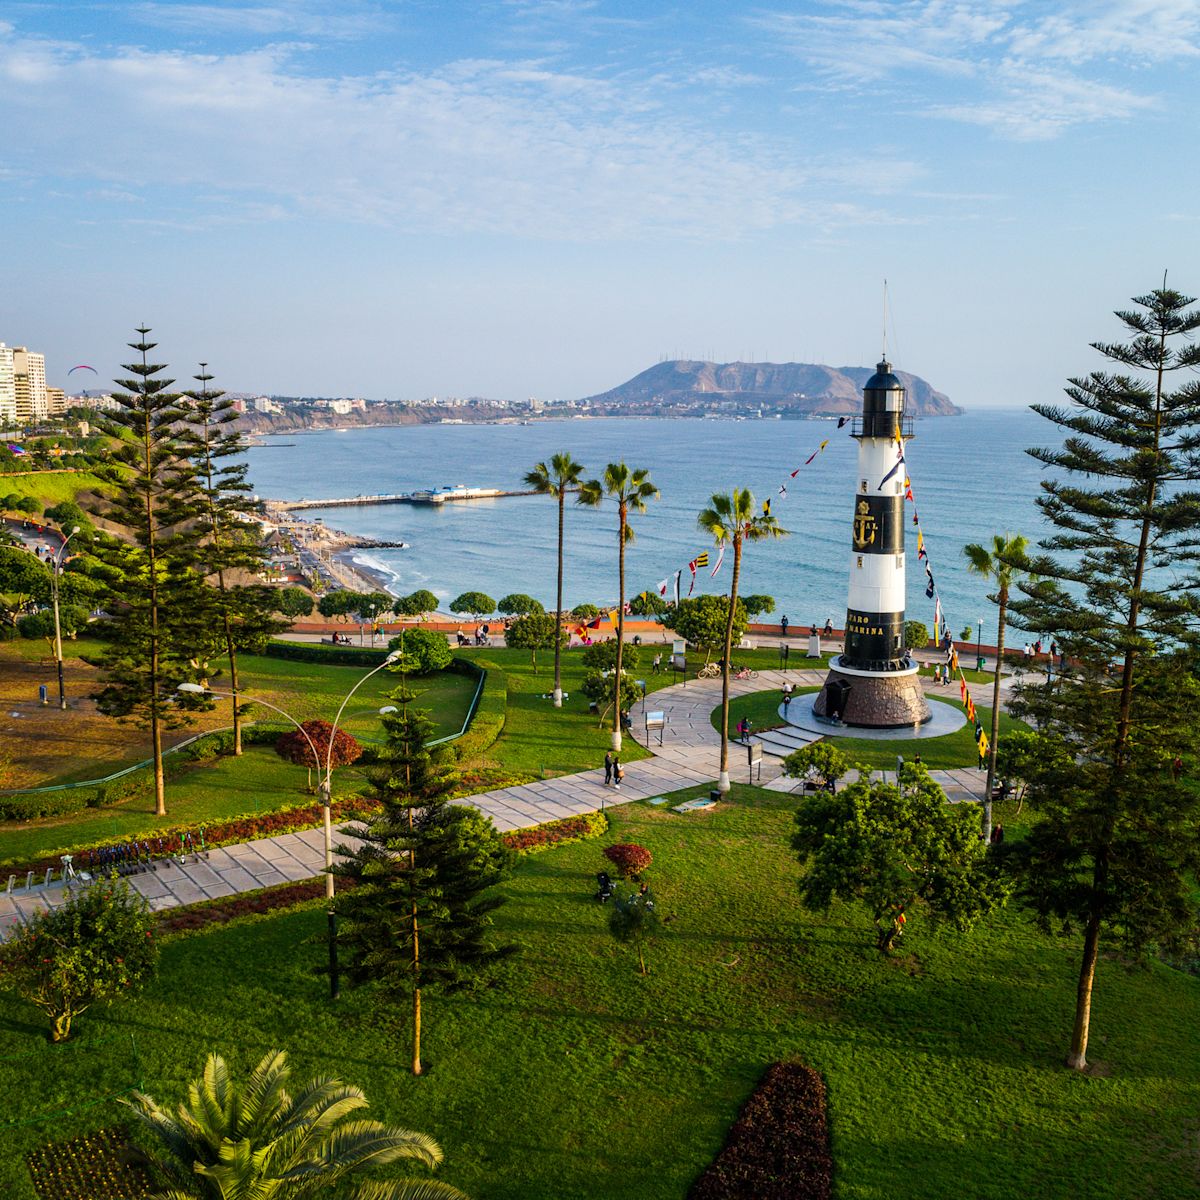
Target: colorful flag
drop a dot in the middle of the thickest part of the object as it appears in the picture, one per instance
(767, 507)
(613, 616)
(662, 587)
(842, 421)
(962, 687)
(783, 491)
(909, 496)
(891, 472)
(920, 544)
(937, 612)
(677, 575)
(720, 560)
(930, 589)
(816, 452)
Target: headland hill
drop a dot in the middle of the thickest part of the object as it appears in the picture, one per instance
(672, 388)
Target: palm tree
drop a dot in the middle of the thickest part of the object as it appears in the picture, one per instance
(556, 479)
(1001, 565)
(630, 490)
(257, 1140)
(730, 518)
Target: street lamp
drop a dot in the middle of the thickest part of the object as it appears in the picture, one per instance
(56, 569)
(326, 786)
(978, 646)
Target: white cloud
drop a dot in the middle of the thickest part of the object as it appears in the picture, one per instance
(297, 19)
(480, 146)
(1023, 73)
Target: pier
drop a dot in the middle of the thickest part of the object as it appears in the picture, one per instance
(432, 496)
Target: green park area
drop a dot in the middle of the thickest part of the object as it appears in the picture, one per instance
(571, 1075)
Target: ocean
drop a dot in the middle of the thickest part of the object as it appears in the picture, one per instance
(971, 478)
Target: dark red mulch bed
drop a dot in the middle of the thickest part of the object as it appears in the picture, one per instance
(778, 1149)
(97, 1166)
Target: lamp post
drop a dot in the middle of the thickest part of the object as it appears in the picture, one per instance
(326, 785)
(978, 646)
(56, 569)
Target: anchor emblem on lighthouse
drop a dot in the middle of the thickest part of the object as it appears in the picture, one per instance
(864, 526)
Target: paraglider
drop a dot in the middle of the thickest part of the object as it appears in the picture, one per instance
(83, 367)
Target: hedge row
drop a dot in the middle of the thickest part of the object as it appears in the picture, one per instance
(778, 1149)
(331, 656)
(488, 722)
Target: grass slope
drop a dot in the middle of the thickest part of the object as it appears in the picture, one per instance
(573, 1078)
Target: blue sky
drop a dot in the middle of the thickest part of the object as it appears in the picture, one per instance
(543, 198)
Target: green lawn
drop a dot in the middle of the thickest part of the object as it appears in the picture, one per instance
(50, 488)
(259, 780)
(572, 1078)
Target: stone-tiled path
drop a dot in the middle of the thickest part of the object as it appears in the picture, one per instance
(688, 756)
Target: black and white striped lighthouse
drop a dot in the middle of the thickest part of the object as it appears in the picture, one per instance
(874, 682)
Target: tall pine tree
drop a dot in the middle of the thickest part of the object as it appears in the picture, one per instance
(1116, 840)
(150, 645)
(228, 548)
(420, 915)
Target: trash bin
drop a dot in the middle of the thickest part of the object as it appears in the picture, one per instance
(715, 795)
(979, 663)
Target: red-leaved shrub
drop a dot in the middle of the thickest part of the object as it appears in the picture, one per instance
(298, 747)
(778, 1149)
(629, 858)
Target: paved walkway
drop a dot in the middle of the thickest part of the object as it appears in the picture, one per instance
(688, 756)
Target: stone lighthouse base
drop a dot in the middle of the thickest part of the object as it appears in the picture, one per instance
(872, 699)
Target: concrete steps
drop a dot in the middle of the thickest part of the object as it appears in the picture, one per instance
(781, 742)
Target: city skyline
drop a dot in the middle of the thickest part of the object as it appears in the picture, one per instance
(543, 199)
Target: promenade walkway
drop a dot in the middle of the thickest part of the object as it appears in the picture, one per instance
(688, 756)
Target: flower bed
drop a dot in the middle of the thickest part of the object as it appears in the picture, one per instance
(778, 1149)
(556, 833)
(98, 1164)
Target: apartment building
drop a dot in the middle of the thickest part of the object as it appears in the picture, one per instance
(29, 382)
(8, 390)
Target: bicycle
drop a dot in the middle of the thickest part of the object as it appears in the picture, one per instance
(709, 671)
(745, 673)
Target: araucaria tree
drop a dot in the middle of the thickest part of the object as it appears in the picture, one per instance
(1003, 564)
(629, 490)
(150, 635)
(895, 848)
(730, 517)
(226, 545)
(420, 915)
(1115, 844)
(556, 478)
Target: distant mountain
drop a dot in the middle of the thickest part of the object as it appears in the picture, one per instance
(798, 388)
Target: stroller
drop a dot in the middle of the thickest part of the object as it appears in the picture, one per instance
(604, 890)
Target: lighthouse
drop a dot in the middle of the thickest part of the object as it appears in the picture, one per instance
(874, 683)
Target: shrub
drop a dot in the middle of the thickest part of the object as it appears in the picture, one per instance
(629, 859)
(916, 635)
(778, 1149)
(822, 759)
(424, 651)
(297, 747)
(95, 946)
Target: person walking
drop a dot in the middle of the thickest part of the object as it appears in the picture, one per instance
(783, 624)
(787, 698)
(609, 762)
(656, 665)
(618, 773)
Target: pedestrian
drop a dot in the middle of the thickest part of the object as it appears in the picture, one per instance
(916, 760)
(899, 765)
(1027, 650)
(828, 630)
(787, 697)
(608, 768)
(656, 666)
(618, 773)
(1037, 648)
(783, 624)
